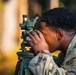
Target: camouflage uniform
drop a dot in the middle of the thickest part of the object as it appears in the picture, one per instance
(43, 63)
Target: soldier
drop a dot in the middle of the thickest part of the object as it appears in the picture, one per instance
(57, 31)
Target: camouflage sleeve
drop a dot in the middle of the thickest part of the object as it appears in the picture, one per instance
(43, 64)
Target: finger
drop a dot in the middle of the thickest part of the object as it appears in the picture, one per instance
(35, 35)
(31, 43)
(32, 38)
(40, 34)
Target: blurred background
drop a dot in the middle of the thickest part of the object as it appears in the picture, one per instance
(11, 12)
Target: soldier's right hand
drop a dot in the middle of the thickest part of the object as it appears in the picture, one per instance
(37, 41)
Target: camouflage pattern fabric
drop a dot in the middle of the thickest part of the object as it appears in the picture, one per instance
(70, 58)
(43, 63)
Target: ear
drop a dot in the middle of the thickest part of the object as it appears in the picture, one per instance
(59, 34)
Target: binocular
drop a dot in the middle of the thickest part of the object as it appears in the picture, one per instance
(27, 26)
(25, 56)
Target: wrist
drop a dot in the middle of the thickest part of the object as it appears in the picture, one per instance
(44, 51)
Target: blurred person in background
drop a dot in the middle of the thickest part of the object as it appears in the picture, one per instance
(57, 31)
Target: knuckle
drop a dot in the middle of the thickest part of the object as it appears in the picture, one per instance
(33, 32)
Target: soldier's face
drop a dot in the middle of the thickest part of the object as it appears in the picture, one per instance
(50, 36)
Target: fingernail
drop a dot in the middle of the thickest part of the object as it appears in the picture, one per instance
(36, 30)
(28, 38)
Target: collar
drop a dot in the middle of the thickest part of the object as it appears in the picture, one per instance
(71, 45)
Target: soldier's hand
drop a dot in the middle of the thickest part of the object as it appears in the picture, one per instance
(37, 41)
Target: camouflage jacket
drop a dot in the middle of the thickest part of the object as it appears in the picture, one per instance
(43, 63)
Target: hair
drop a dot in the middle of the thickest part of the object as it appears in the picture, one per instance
(60, 18)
